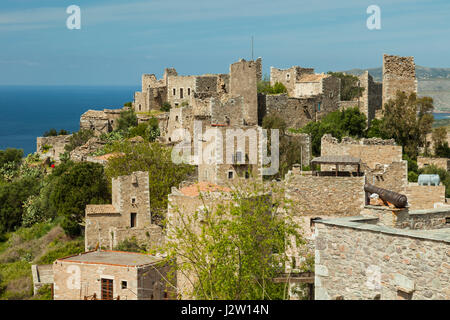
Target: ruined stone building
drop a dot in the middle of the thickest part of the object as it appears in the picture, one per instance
(399, 74)
(383, 167)
(384, 253)
(100, 121)
(128, 216)
(442, 163)
(111, 275)
(309, 96)
(52, 147)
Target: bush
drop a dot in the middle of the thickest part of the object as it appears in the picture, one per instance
(78, 139)
(10, 155)
(166, 107)
(128, 104)
(126, 120)
(130, 245)
(412, 176)
(68, 249)
(51, 133)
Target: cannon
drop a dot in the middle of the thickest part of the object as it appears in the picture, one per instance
(397, 199)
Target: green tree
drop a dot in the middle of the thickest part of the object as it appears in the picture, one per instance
(126, 120)
(11, 155)
(75, 186)
(348, 122)
(234, 250)
(157, 160)
(166, 107)
(51, 133)
(128, 104)
(12, 197)
(408, 120)
(439, 138)
(349, 86)
(78, 139)
(264, 87)
(149, 131)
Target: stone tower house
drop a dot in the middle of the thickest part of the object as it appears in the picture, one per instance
(128, 215)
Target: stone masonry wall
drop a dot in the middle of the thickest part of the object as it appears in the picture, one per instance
(57, 144)
(352, 263)
(442, 163)
(288, 77)
(399, 74)
(425, 197)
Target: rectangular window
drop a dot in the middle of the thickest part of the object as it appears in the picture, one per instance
(174, 91)
(189, 91)
(447, 220)
(247, 175)
(124, 284)
(133, 220)
(181, 93)
(107, 289)
(133, 200)
(230, 174)
(318, 106)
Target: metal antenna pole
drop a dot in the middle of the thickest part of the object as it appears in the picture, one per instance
(252, 47)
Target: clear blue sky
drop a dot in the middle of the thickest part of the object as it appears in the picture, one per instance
(120, 40)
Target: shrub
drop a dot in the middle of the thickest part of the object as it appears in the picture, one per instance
(130, 245)
(68, 249)
(126, 120)
(165, 107)
(78, 139)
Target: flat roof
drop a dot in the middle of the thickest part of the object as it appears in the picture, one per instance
(337, 159)
(118, 258)
(364, 223)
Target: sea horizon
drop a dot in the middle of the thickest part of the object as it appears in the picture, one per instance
(28, 111)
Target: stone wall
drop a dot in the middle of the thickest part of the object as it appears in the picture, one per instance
(180, 89)
(288, 77)
(130, 195)
(371, 99)
(399, 74)
(371, 151)
(442, 163)
(100, 121)
(296, 112)
(425, 197)
(364, 261)
(139, 281)
(56, 143)
(243, 82)
(325, 196)
(392, 176)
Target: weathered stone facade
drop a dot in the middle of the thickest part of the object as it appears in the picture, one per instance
(132, 276)
(443, 163)
(128, 215)
(288, 77)
(100, 121)
(357, 258)
(425, 197)
(399, 74)
(56, 144)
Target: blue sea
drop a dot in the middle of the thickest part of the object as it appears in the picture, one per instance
(26, 112)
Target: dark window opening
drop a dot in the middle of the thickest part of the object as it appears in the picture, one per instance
(403, 295)
(139, 107)
(447, 220)
(174, 91)
(124, 285)
(189, 91)
(133, 200)
(230, 174)
(247, 175)
(181, 93)
(133, 220)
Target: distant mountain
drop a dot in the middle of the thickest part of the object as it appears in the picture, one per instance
(422, 73)
(432, 82)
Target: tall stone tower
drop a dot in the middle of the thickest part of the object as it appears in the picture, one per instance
(399, 74)
(244, 76)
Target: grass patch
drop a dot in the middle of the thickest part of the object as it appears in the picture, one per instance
(61, 250)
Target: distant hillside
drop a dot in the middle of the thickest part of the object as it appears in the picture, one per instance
(432, 82)
(422, 73)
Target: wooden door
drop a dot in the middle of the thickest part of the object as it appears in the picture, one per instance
(107, 289)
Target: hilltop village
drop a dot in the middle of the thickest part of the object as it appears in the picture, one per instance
(369, 231)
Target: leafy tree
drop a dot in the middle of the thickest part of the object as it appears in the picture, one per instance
(234, 250)
(11, 155)
(12, 197)
(442, 150)
(149, 131)
(166, 107)
(154, 158)
(126, 120)
(78, 139)
(376, 130)
(51, 133)
(75, 186)
(63, 132)
(408, 120)
(348, 122)
(439, 138)
(128, 104)
(264, 86)
(349, 86)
